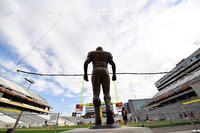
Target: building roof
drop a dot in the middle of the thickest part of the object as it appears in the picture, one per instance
(18, 97)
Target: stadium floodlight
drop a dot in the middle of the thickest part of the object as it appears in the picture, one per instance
(30, 81)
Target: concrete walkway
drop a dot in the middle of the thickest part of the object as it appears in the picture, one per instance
(126, 129)
(175, 129)
(123, 129)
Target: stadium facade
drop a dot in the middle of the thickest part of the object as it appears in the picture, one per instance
(180, 85)
(135, 104)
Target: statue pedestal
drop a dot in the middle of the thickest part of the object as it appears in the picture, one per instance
(124, 129)
(104, 126)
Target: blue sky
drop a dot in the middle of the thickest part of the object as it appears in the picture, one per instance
(55, 36)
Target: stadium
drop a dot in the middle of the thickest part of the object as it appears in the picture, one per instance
(180, 85)
(17, 103)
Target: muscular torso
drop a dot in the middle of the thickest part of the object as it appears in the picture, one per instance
(100, 58)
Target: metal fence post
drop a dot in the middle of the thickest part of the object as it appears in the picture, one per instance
(169, 116)
(13, 130)
(189, 116)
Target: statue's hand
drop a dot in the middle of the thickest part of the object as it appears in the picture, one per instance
(114, 77)
(86, 77)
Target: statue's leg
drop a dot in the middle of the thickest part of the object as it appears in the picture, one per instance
(97, 103)
(107, 98)
(109, 112)
(96, 99)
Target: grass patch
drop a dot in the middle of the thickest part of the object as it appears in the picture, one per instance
(152, 124)
(33, 130)
(44, 130)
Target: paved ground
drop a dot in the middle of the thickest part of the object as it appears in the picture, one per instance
(176, 129)
(123, 129)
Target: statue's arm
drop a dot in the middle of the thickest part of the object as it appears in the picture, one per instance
(87, 61)
(112, 63)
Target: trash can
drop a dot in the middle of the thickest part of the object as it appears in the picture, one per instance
(9, 130)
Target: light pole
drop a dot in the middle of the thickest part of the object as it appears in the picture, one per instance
(30, 81)
(61, 113)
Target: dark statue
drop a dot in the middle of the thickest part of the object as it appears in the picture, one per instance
(100, 77)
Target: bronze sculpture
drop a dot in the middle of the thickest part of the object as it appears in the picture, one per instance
(100, 77)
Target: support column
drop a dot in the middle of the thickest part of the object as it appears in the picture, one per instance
(13, 130)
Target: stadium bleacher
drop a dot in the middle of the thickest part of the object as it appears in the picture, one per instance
(36, 110)
(8, 119)
(14, 96)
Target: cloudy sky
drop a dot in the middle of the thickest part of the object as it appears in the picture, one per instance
(54, 37)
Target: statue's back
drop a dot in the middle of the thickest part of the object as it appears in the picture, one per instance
(100, 58)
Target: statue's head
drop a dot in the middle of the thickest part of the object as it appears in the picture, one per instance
(99, 49)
